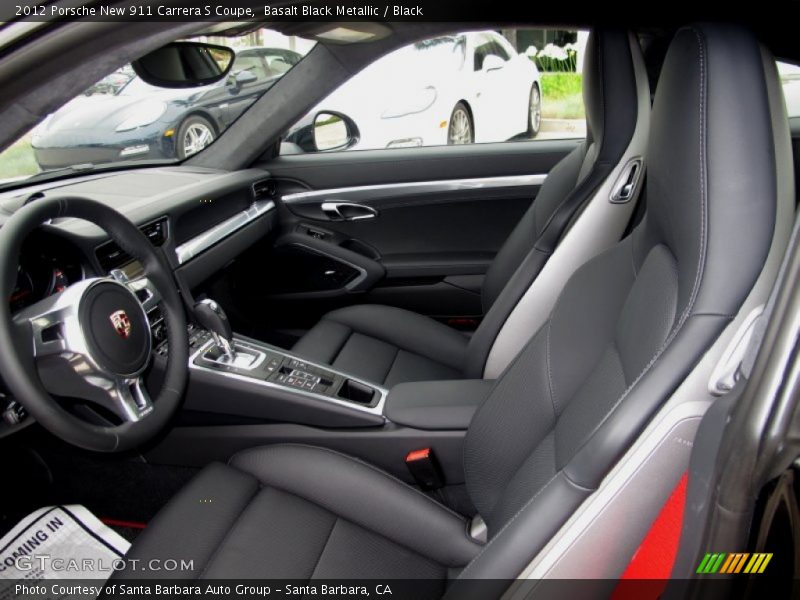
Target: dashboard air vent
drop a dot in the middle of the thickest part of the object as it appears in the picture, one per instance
(264, 189)
(110, 255)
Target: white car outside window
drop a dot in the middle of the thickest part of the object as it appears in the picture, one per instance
(463, 88)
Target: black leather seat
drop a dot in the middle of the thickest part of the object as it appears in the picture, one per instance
(626, 330)
(389, 345)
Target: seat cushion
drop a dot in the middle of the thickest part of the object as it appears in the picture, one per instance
(385, 345)
(299, 512)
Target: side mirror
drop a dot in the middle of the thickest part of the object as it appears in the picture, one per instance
(493, 63)
(241, 78)
(322, 132)
(334, 131)
(184, 65)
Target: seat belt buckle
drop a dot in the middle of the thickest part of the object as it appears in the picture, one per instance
(424, 468)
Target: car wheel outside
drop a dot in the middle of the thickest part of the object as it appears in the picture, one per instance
(534, 111)
(194, 134)
(460, 130)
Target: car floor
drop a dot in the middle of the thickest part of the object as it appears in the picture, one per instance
(43, 471)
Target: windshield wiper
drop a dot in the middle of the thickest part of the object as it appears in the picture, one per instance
(43, 175)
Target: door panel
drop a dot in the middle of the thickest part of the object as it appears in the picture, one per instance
(440, 216)
(437, 226)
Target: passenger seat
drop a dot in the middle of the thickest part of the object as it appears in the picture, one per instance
(582, 208)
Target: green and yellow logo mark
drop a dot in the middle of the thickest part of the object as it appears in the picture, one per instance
(732, 563)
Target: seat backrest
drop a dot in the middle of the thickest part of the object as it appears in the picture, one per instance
(617, 98)
(632, 322)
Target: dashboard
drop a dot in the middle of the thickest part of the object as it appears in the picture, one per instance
(200, 218)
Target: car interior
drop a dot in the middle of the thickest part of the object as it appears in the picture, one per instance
(445, 364)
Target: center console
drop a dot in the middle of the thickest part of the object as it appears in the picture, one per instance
(271, 366)
(260, 381)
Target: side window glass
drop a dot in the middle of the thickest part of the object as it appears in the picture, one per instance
(483, 49)
(498, 50)
(790, 80)
(506, 85)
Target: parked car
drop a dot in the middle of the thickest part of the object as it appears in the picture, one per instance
(445, 90)
(146, 122)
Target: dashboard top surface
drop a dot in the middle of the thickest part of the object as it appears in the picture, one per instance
(141, 195)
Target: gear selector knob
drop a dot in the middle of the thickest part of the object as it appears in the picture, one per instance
(210, 316)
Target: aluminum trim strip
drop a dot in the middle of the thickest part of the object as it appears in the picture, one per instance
(423, 187)
(198, 244)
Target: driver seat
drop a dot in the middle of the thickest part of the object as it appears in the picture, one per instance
(626, 330)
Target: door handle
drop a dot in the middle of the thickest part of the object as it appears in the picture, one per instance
(348, 211)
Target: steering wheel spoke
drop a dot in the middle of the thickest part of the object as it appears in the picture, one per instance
(127, 398)
(52, 323)
(144, 290)
(99, 358)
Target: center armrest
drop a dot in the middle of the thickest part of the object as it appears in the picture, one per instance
(436, 405)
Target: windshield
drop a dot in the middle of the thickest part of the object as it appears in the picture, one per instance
(120, 118)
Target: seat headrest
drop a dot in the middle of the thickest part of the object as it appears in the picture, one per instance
(718, 145)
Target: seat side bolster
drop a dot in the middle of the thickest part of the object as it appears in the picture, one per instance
(364, 495)
(516, 543)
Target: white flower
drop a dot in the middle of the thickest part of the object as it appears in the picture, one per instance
(531, 51)
(554, 52)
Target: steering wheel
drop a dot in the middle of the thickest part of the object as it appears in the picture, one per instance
(92, 341)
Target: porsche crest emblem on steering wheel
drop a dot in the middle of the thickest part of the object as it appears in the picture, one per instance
(122, 324)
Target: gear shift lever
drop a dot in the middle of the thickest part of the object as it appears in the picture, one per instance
(210, 316)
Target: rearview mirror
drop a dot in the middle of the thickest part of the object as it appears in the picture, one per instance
(493, 62)
(184, 64)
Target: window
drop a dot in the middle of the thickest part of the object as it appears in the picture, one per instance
(122, 118)
(488, 45)
(252, 63)
(470, 87)
(790, 79)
